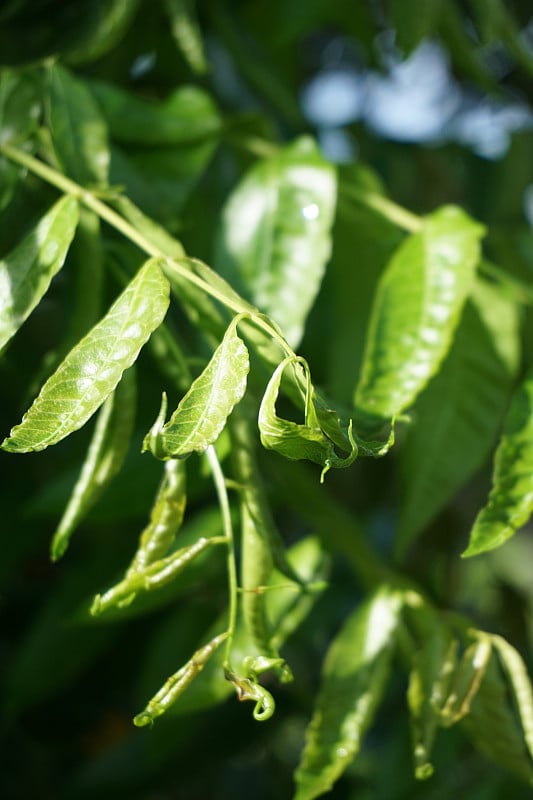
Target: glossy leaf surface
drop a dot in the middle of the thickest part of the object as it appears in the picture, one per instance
(510, 502)
(93, 368)
(202, 413)
(275, 238)
(416, 310)
(354, 676)
(77, 128)
(26, 272)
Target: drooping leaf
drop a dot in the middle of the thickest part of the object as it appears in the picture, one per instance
(296, 441)
(457, 418)
(186, 116)
(520, 685)
(93, 368)
(110, 24)
(413, 22)
(275, 238)
(202, 413)
(26, 272)
(77, 128)
(496, 719)
(416, 310)
(467, 679)
(166, 517)
(433, 662)
(510, 502)
(354, 677)
(105, 457)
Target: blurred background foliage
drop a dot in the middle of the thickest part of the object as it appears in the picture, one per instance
(432, 100)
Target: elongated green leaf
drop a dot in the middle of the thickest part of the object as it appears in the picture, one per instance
(275, 239)
(186, 33)
(433, 662)
(202, 413)
(26, 272)
(495, 721)
(295, 441)
(93, 368)
(187, 115)
(520, 684)
(105, 457)
(413, 21)
(166, 517)
(416, 310)
(458, 417)
(510, 502)
(467, 679)
(77, 128)
(355, 672)
(20, 108)
(108, 27)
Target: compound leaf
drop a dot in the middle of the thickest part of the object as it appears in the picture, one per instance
(93, 368)
(416, 310)
(355, 672)
(26, 272)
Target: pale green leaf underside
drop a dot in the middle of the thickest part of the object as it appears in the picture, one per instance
(355, 672)
(26, 272)
(93, 368)
(202, 413)
(276, 233)
(416, 310)
(510, 502)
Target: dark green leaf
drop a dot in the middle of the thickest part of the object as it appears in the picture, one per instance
(354, 677)
(413, 21)
(510, 502)
(26, 272)
(105, 457)
(186, 116)
(186, 32)
(275, 238)
(20, 108)
(93, 368)
(416, 310)
(77, 128)
(202, 413)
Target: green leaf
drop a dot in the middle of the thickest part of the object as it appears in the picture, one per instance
(275, 238)
(354, 677)
(202, 413)
(186, 33)
(416, 310)
(457, 419)
(20, 108)
(105, 457)
(93, 368)
(295, 441)
(77, 128)
(186, 116)
(499, 722)
(109, 26)
(433, 655)
(413, 21)
(510, 502)
(26, 272)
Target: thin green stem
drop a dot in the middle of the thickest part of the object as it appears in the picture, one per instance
(118, 222)
(220, 487)
(395, 213)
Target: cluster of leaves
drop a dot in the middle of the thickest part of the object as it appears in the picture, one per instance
(443, 336)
